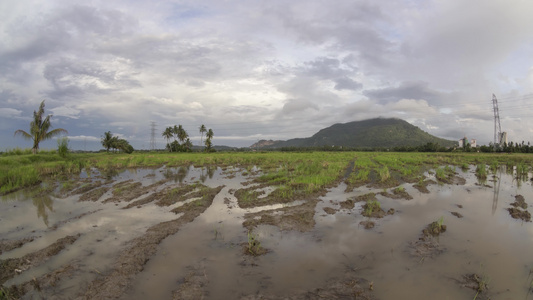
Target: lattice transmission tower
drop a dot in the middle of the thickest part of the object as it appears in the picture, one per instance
(152, 136)
(497, 126)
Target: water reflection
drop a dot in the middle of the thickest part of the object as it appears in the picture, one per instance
(40, 199)
(177, 176)
(42, 202)
(109, 173)
(208, 171)
(496, 190)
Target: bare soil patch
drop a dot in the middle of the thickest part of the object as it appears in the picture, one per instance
(329, 210)
(456, 214)
(299, 218)
(397, 194)
(350, 202)
(428, 244)
(95, 194)
(423, 186)
(519, 209)
(129, 190)
(368, 224)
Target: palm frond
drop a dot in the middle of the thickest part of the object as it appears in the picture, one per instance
(53, 133)
(24, 134)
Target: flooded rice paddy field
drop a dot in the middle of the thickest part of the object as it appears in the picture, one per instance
(182, 233)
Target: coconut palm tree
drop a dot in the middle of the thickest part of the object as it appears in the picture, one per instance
(202, 131)
(106, 140)
(168, 134)
(208, 143)
(188, 145)
(182, 134)
(176, 131)
(39, 129)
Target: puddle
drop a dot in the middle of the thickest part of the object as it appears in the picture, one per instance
(205, 257)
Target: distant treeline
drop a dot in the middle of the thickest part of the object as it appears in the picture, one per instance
(510, 147)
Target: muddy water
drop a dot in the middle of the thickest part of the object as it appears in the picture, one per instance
(486, 241)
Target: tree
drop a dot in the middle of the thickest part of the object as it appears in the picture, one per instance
(39, 129)
(124, 146)
(106, 140)
(202, 131)
(168, 134)
(210, 134)
(188, 145)
(176, 131)
(182, 134)
(208, 143)
(114, 142)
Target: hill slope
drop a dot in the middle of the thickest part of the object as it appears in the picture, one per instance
(370, 133)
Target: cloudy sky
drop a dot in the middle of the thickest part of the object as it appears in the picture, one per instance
(264, 69)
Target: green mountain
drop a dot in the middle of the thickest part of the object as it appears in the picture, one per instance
(379, 132)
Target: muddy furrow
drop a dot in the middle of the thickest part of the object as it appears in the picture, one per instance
(132, 260)
(14, 266)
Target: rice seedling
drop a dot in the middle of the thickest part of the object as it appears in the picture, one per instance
(494, 167)
(482, 284)
(399, 189)
(522, 171)
(371, 207)
(440, 174)
(254, 245)
(481, 171)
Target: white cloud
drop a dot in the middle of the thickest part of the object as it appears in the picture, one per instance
(10, 113)
(84, 138)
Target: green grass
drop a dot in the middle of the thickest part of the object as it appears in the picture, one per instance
(296, 174)
(384, 174)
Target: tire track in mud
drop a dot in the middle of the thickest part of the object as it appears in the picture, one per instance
(132, 260)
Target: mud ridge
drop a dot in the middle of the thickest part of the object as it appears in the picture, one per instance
(8, 245)
(132, 260)
(14, 266)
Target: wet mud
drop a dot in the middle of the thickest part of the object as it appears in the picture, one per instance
(299, 218)
(192, 233)
(7, 245)
(428, 244)
(519, 209)
(397, 193)
(131, 261)
(14, 266)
